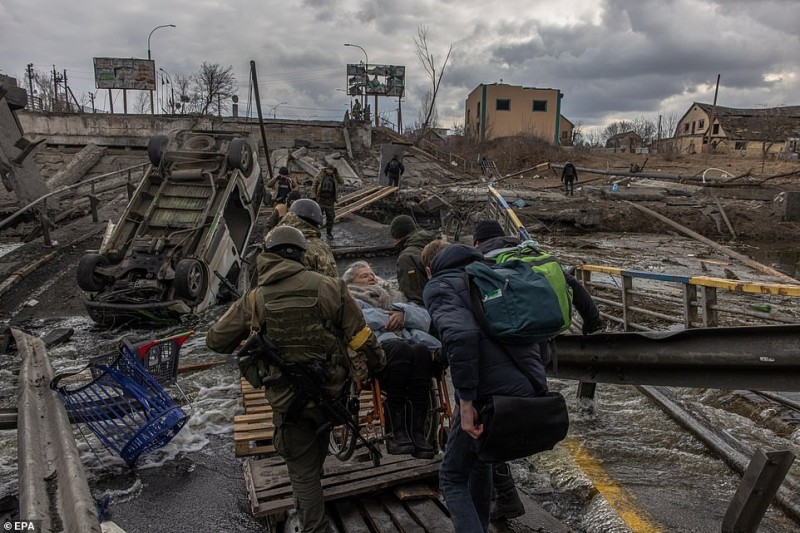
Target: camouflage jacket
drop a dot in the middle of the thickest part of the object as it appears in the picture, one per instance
(310, 317)
(317, 186)
(318, 256)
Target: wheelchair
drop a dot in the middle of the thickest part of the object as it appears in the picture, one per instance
(368, 407)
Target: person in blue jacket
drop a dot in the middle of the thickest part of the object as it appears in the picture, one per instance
(402, 331)
(480, 368)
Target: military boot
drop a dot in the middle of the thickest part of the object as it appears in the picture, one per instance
(422, 448)
(397, 440)
(506, 503)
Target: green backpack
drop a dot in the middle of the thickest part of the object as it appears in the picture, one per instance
(524, 294)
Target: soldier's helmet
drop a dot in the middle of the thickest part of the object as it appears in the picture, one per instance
(308, 210)
(285, 236)
(284, 171)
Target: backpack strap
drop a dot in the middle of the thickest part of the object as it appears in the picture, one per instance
(480, 316)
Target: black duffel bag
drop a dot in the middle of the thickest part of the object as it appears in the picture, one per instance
(517, 427)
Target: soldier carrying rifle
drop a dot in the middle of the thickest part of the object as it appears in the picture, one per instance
(313, 321)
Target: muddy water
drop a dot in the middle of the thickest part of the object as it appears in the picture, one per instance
(652, 475)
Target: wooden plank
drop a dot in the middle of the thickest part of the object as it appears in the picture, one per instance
(400, 514)
(351, 518)
(378, 517)
(372, 484)
(413, 492)
(432, 517)
(386, 191)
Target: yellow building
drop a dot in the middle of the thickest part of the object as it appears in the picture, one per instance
(499, 110)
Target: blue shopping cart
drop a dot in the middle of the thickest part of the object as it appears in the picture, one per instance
(122, 404)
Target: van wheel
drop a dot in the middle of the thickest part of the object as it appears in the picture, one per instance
(88, 280)
(240, 155)
(155, 148)
(190, 279)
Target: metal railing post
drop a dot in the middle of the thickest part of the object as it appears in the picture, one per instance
(627, 301)
(710, 316)
(689, 305)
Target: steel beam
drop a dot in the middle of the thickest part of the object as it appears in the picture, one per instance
(759, 358)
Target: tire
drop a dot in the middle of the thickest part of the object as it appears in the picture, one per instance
(156, 147)
(88, 280)
(240, 155)
(343, 441)
(191, 281)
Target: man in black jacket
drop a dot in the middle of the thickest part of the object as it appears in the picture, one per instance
(490, 237)
(393, 170)
(480, 368)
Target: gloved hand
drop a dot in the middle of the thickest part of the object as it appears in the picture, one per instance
(592, 325)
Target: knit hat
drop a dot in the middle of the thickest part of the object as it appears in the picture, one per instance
(402, 226)
(487, 229)
(284, 171)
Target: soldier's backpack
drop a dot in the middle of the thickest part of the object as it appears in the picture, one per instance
(328, 187)
(282, 191)
(394, 167)
(524, 295)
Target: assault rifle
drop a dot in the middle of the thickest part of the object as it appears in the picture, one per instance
(228, 285)
(306, 381)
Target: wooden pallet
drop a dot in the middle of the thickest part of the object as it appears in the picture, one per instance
(252, 431)
(271, 494)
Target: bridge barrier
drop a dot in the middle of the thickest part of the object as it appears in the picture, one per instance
(699, 305)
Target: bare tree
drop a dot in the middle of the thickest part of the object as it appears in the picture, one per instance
(141, 105)
(43, 90)
(429, 65)
(183, 94)
(213, 86)
(645, 129)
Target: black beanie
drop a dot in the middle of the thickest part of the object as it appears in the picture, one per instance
(402, 226)
(284, 171)
(487, 229)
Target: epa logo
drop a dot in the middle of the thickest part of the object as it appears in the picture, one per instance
(20, 525)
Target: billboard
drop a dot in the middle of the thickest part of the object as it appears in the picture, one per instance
(119, 73)
(380, 80)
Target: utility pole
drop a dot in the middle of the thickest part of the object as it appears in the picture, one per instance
(66, 94)
(55, 88)
(91, 97)
(30, 85)
(713, 115)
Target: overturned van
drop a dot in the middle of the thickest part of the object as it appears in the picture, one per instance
(179, 245)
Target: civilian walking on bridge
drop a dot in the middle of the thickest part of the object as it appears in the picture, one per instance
(569, 175)
(326, 189)
(480, 368)
(393, 170)
(490, 238)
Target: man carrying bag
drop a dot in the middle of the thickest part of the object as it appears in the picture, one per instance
(485, 373)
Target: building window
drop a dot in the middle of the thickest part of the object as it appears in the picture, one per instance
(715, 129)
(740, 145)
(503, 105)
(540, 105)
(479, 109)
(701, 124)
(686, 128)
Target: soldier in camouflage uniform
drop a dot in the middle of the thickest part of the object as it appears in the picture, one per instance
(410, 240)
(311, 317)
(326, 189)
(306, 215)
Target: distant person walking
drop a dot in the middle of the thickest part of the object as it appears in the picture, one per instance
(569, 175)
(393, 170)
(326, 189)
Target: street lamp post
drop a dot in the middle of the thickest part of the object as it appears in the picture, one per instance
(274, 110)
(152, 107)
(366, 67)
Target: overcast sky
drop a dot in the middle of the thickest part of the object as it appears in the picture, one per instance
(612, 59)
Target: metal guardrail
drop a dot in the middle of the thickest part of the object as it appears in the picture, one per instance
(699, 305)
(52, 484)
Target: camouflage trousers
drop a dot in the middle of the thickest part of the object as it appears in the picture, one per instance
(304, 451)
(330, 214)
